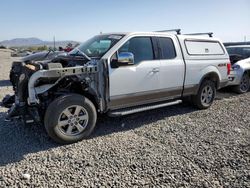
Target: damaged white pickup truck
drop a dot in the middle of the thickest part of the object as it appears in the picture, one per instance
(116, 74)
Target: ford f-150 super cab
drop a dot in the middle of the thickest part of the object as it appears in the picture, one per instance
(116, 74)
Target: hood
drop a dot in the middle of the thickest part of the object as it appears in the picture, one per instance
(41, 56)
(245, 63)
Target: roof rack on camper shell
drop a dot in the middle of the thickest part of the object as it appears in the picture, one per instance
(178, 32)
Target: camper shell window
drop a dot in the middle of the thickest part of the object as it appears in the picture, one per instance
(203, 47)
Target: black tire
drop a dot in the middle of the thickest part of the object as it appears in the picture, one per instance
(201, 101)
(244, 85)
(56, 115)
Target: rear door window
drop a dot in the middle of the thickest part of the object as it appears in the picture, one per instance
(167, 48)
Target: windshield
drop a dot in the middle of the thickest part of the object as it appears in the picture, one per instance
(242, 51)
(97, 46)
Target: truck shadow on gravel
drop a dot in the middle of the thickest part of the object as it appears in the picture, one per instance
(18, 140)
(108, 125)
(225, 93)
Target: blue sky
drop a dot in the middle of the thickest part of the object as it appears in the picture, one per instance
(81, 19)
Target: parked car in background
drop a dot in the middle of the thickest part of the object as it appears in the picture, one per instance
(239, 77)
(117, 74)
(21, 53)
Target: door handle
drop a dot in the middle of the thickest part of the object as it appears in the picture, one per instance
(155, 70)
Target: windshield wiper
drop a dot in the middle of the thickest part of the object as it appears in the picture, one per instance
(82, 53)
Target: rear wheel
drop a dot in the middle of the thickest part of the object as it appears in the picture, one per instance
(205, 95)
(70, 118)
(244, 84)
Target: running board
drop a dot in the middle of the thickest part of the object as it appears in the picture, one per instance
(127, 111)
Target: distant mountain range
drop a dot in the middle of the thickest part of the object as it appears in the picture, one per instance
(24, 42)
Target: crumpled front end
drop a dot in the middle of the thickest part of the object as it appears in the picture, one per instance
(36, 84)
(19, 77)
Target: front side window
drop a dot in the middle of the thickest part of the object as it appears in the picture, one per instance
(141, 47)
(167, 48)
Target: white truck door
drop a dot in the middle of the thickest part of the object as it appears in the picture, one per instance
(132, 84)
(172, 66)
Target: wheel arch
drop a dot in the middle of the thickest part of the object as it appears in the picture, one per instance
(76, 87)
(248, 72)
(90, 93)
(213, 76)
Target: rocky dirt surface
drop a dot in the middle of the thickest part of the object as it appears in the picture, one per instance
(171, 147)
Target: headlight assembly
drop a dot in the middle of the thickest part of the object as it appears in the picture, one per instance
(236, 67)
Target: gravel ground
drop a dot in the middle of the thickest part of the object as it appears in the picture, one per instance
(176, 146)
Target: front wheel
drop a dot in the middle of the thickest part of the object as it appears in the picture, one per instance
(205, 95)
(70, 118)
(244, 84)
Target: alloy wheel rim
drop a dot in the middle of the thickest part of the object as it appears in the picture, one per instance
(73, 120)
(207, 95)
(244, 84)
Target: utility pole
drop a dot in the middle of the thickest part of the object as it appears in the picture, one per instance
(54, 39)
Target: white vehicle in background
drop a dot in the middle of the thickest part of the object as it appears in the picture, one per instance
(239, 77)
(117, 74)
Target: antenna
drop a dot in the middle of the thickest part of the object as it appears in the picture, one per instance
(178, 31)
(210, 34)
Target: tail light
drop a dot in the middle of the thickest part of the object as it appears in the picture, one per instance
(228, 68)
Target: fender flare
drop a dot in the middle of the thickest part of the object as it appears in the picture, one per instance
(211, 73)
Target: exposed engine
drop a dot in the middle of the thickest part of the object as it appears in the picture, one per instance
(37, 83)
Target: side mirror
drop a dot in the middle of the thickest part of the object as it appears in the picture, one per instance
(123, 59)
